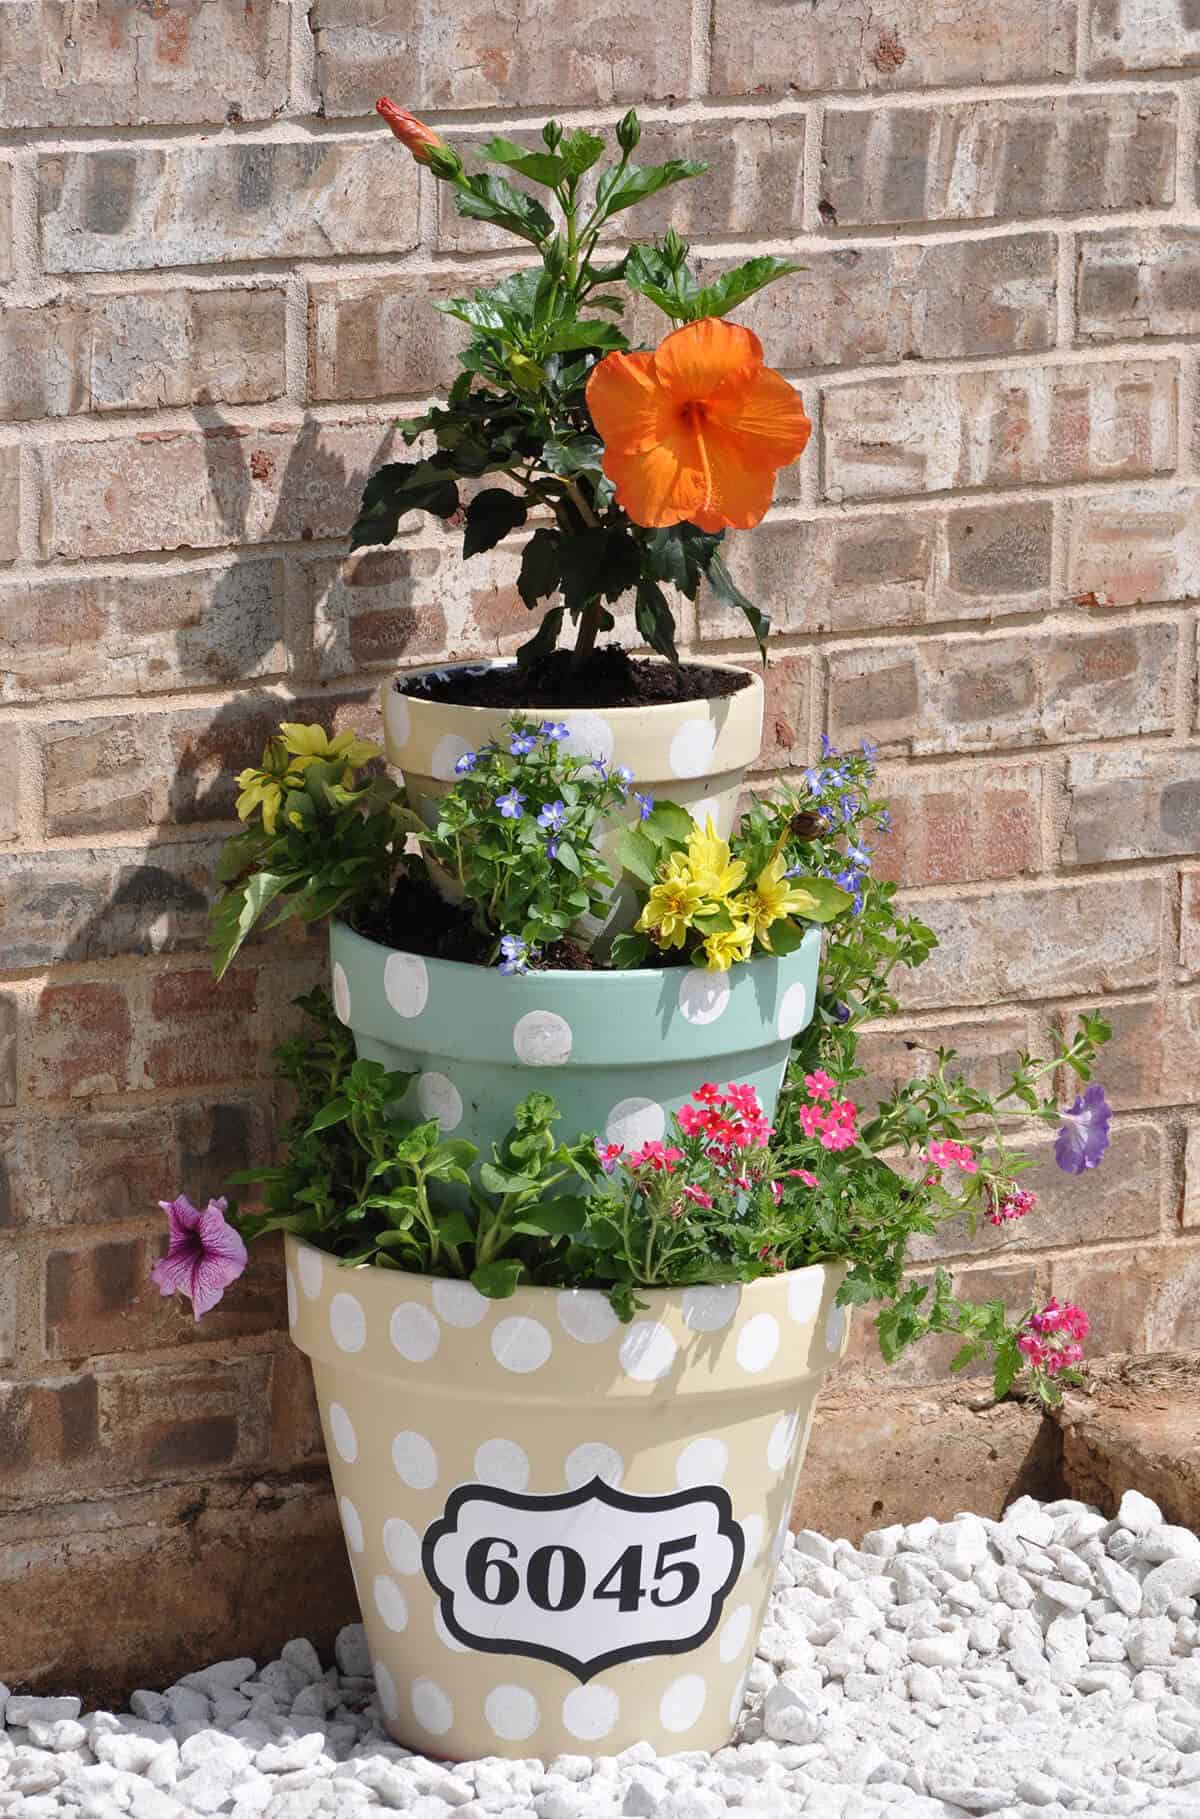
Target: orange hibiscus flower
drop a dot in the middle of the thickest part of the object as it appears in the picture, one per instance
(698, 429)
(411, 132)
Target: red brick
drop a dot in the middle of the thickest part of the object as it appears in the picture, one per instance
(138, 634)
(1141, 34)
(873, 573)
(1135, 282)
(10, 502)
(202, 1031)
(922, 434)
(165, 489)
(5, 222)
(845, 44)
(500, 54)
(382, 337)
(79, 1040)
(8, 1050)
(1134, 545)
(1154, 1056)
(382, 608)
(1190, 1212)
(49, 1437)
(109, 64)
(1131, 805)
(1143, 1300)
(895, 1052)
(296, 1437)
(10, 769)
(785, 723)
(987, 160)
(946, 695)
(144, 206)
(1018, 1284)
(961, 826)
(859, 304)
(80, 904)
(1189, 931)
(1046, 941)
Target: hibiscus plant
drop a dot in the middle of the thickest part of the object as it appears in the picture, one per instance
(631, 464)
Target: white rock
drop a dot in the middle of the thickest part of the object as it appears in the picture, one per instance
(221, 1677)
(1175, 1579)
(1138, 1513)
(23, 1708)
(184, 1702)
(961, 1545)
(352, 1652)
(1070, 1597)
(790, 1712)
(1151, 1641)
(1118, 1584)
(302, 1658)
(884, 1542)
(293, 1753)
(947, 1649)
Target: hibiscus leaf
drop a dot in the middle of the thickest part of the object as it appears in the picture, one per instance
(398, 487)
(540, 566)
(655, 620)
(494, 199)
(679, 554)
(543, 640)
(490, 516)
(671, 286)
(730, 594)
(598, 562)
(571, 335)
(579, 454)
(619, 189)
(539, 167)
(733, 287)
(580, 150)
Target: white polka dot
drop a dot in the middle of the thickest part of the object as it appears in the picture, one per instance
(309, 1265)
(682, 1703)
(542, 1039)
(446, 754)
(352, 1524)
(292, 1304)
(347, 1323)
(385, 1686)
(591, 1712)
(444, 1636)
(734, 1632)
(703, 996)
(587, 1315)
(460, 1303)
(390, 1602)
(512, 1712)
(591, 737)
(502, 1462)
(692, 748)
(647, 1351)
(406, 984)
(415, 1332)
(432, 1708)
(758, 1343)
(752, 1530)
(399, 718)
(703, 1461)
(438, 1097)
(341, 992)
(634, 1122)
(793, 1011)
(593, 1460)
(520, 1344)
(782, 1443)
(835, 1330)
(342, 1429)
(804, 1291)
(402, 1545)
(707, 1310)
(415, 1460)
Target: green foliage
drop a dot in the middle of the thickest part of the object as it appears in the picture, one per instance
(519, 410)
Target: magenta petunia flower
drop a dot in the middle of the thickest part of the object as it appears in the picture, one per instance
(1083, 1137)
(204, 1254)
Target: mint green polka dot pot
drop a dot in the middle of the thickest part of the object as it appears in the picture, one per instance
(619, 1051)
(563, 1530)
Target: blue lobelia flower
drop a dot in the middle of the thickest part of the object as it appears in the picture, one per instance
(466, 763)
(883, 821)
(858, 855)
(511, 805)
(554, 730)
(624, 776)
(869, 748)
(828, 748)
(514, 955)
(645, 805)
(554, 817)
(1083, 1136)
(521, 744)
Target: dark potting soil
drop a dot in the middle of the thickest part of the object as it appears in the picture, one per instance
(609, 678)
(417, 919)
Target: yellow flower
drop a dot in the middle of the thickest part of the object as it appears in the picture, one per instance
(309, 743)
(728, 945)
(710, 863)
(266, 787)
(671, 904)
(771, 899)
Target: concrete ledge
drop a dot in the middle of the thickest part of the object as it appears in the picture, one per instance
(1137, 1427)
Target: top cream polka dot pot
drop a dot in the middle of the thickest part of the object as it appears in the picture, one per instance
(694, 752)
(563, 1529)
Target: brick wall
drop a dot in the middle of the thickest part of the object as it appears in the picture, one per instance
(214, 276)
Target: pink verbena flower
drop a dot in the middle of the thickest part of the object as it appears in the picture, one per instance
(697, 1196)
(949, 1154)
(204, 1255)
(837, 1137)
(656, 1155)
(819, 1084)
(1005, 1200)
(805, 1175)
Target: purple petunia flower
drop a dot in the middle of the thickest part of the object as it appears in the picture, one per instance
(511, 805)
(553, 816)
(514, 955)
(1083, 1137)
(555, 730)
(521, 744)
(204, 1255)
(645, 805)
(466, 763)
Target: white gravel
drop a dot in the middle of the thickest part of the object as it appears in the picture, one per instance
(1042, 1665)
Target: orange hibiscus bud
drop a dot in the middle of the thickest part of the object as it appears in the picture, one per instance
(698, 429)
(411, 132)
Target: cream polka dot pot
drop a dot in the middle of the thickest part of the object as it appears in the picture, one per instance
(619, 1050)
(562, 1529)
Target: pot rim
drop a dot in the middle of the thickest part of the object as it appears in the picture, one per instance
(482, 666)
